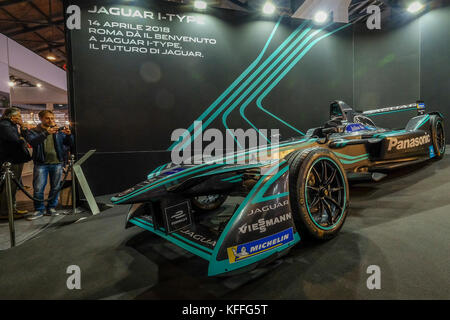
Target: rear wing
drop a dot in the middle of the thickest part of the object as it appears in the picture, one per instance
(418, 105)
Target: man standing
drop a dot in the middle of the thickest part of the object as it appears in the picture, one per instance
(13, 150)
(50, 144)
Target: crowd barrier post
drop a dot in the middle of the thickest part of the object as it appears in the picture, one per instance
(10, 203)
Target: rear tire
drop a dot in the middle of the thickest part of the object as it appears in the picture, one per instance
(438, 136)
(318, 189)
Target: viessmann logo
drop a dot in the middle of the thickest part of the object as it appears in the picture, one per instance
(263, 224)
(408, 143)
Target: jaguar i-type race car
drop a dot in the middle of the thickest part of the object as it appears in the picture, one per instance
(240, 215)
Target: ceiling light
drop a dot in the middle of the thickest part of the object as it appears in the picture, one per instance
(320, 17)
(11, 83)
(268, 8)
(415, 7)
(38, 85)
(50, 57)
(200, 4)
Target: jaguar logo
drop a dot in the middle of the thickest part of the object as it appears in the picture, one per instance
(269, 207)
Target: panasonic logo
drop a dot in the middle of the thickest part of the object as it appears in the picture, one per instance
(402, 144)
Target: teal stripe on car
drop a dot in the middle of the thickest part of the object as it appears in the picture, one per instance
(180, 243)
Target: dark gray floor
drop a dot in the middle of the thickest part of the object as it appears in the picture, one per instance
(400, 224)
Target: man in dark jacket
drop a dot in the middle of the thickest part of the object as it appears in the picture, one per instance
(50, 144)
(13, 150)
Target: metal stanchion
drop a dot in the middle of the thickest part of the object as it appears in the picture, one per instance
(9, 196)
(74, 185)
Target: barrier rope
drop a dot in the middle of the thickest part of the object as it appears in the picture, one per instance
(22, 187)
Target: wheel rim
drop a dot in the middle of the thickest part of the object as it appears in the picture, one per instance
(325, 193)
(440, 137)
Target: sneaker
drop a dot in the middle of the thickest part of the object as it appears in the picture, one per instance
(35, 215)
(52, 212)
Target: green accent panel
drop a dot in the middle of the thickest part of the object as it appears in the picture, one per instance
(177, 242)
(260, 195)
(422, 122)
(389, 133)
(377, 114)
(178, 236)
(233, 177)
(345, 156)
(353, 161)
(165, 180)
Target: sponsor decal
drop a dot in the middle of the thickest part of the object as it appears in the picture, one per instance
(263, 224)
(197, 237)
(177, 216)
(432, 154)
(401, 144)
(244, 251)
(269, 207)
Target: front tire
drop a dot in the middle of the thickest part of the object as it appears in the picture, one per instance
(319, 194)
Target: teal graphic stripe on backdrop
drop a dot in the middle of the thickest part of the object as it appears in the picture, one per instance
(247, 82)
(280, 58)
(233, 85)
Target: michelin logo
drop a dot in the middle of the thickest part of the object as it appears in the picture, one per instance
(263, 224)
(408, 143)
(244, 251)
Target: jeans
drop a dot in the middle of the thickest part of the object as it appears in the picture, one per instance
(40, 174)
(17, 170)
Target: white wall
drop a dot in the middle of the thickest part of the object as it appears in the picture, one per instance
(28, 62)
(4, 73)
(43, 95)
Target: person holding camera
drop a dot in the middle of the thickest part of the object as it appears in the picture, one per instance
(50, 143)
(13, 149)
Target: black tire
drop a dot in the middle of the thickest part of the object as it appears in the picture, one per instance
(323, 214)
(438, 136)
(211, 204)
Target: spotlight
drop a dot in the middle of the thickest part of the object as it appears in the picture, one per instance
(321, 17)
(268, 8)
(415, 7)
(11, 83)
(198, 4)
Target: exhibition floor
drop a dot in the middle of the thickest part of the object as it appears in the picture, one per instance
(399, 224)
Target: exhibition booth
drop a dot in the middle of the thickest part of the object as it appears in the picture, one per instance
(346, 177)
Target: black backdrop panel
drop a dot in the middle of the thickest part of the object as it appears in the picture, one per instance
(127, 103)
(406, 60)
(435, 65)
(387, 70)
